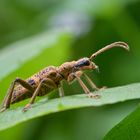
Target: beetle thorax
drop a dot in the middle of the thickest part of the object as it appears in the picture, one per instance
(66, 68)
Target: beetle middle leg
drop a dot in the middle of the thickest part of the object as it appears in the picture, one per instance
(61, 90)
(44, 82)
(8, 97)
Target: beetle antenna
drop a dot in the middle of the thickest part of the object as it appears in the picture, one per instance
(113, 45)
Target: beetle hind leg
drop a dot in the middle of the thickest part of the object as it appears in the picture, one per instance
(45, 82)
(8, 97)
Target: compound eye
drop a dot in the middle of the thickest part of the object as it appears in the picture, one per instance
(86, 63)
(83, 63)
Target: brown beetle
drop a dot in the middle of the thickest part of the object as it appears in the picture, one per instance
(50, 78)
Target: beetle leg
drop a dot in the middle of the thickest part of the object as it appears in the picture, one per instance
(90, 82)
(91, 95)
(71, 76)
(7, 99)
(80, 73)
(61, 90)
(82, 84)
(45, 82)
(93, 85)
(77, 75)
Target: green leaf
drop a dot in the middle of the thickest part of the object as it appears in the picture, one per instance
(14, 55)
(15, 116)
(127, 129)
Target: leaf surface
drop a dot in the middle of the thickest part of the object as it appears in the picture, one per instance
(15, 116)
(128, 128)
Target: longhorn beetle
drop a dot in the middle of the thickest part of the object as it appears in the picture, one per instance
(51, 78)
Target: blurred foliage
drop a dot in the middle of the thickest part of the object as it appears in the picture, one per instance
(93, 24)
(124, 129)
(45, 107)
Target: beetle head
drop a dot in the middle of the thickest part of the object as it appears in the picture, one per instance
(85, 64)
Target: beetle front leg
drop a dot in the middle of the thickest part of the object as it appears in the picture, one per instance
(7, 99)
(72, 77)
(91, 82)
(91, 95)
(45, 82)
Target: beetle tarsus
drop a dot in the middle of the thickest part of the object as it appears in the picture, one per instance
(27, 107)
(95, 96)
(3, 109)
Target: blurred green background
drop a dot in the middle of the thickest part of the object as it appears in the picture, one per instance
(88, 25)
